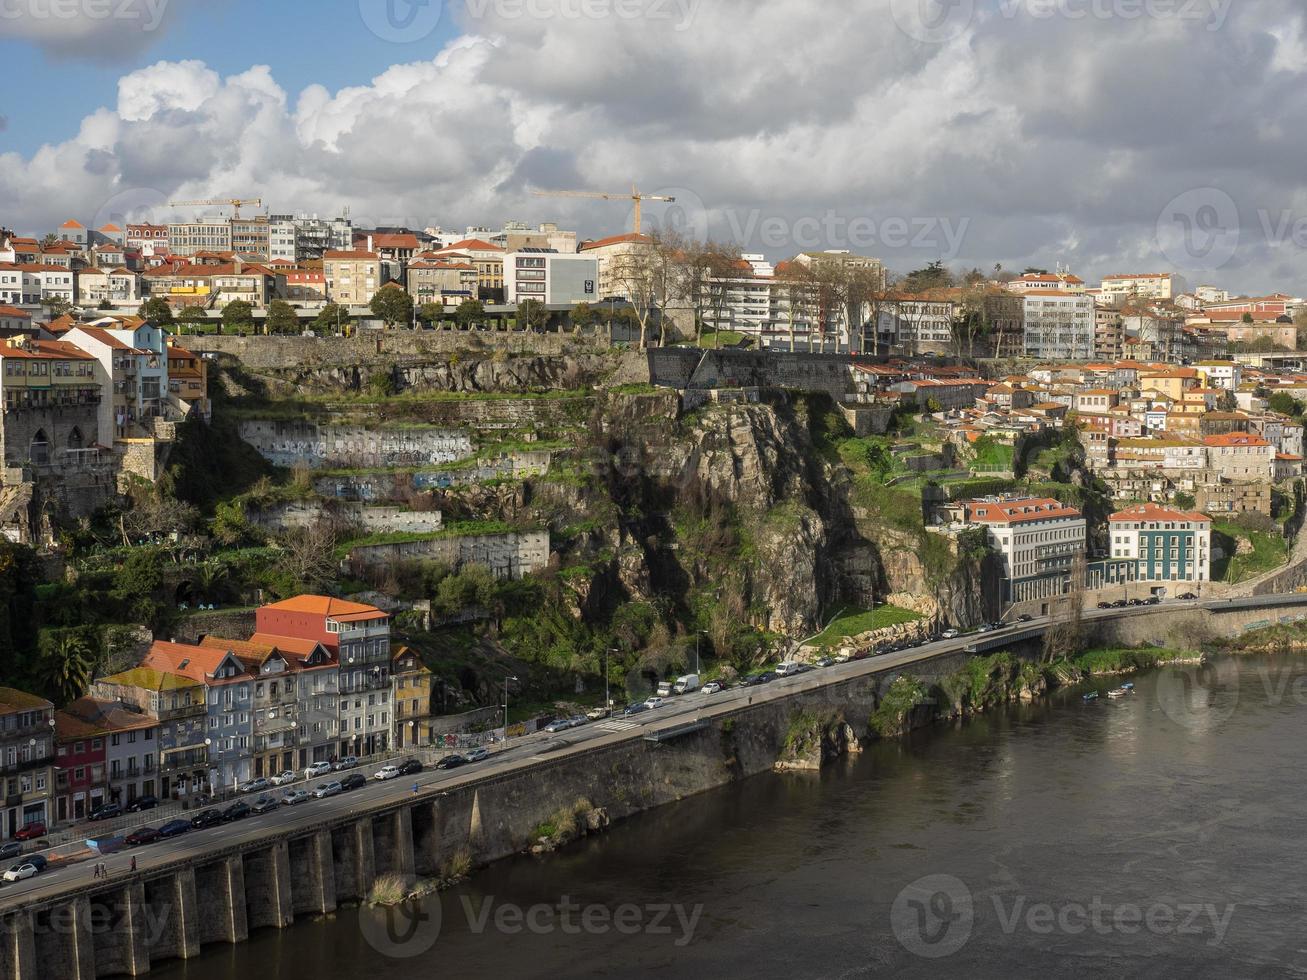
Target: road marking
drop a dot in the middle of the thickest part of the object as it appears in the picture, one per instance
(617, 726)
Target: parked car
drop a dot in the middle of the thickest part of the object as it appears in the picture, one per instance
(10, 849)
(265, 804)
(174, 827)
(1120, 604)
(476, 755)
(1025, 618)
(353, 781)
(30, 831)
(387, 772)
(294, 797)
(106, 811)
(594, 714)
(1104, 605)
(21, 872)
(142, 803)
(237, 811)
(950, 634)
(1136, 602)
(207, 818)
(39, 860)
(655, 702)
(144, 835)
(1187, 597)
(451, 762)
(554, 727)
(634, 709)
(323, 790)
(826, 662)
(411, 767)
(349, 762)
(1154, 601)
(256, 785)
(317, 769)
(712, 687)
(282, 778)
(766, 677)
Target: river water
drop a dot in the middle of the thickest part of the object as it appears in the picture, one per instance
(1158, 835)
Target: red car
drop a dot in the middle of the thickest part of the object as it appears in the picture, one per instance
(30, 832)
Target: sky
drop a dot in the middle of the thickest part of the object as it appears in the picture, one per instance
(1106, 136)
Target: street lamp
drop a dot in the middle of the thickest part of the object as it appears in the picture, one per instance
(608, 701)
(507, 678)
(697, 634)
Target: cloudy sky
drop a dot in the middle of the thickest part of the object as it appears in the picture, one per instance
(1107, 135)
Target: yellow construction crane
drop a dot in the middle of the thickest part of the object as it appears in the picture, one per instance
(635, 196)
(236, 203)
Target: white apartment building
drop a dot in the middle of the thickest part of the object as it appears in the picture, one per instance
(1048, 282)
(301, 238)
(1226, 375)
(1241, 457)
(1039, 539)
(205, 235)
(1134, 286)
(1165, 545)
(917, 324)
(1059, 325)
(553, 278)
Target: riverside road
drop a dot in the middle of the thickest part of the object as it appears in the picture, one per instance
(688, 710)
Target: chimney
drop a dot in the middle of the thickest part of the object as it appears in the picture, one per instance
(237, 266)
(369, 243)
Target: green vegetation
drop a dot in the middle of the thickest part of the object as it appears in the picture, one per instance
(893, 713)
(853, 623)
(991, 454)
(1127, 660)
(1270, 550)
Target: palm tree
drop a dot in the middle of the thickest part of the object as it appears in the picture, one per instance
(67, 667)
(212, 579)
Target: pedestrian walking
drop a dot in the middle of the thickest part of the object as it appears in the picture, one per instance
(97, 869)
(415, 789)
(133, 862)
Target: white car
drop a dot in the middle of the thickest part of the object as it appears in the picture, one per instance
(20, 871)
(712, 687)
(282, 778)
(387, 772)
(655, 702)
(317, 769)
(950, 634)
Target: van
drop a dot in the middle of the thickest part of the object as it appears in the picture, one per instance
(686, 684)
(787, 669)
(664, 689)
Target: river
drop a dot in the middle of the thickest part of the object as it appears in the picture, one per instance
(1157, 835)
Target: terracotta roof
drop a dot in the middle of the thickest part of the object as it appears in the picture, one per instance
(1025, 511)
(247, 651)
(629, 237)
(350, 254)
(472, 244)
(296, 646)
(1236, 439)
(1154, 512)
(149, 679)
(389, 240)
(13, 700)
(88, 717)
(196, 662)
(321, 605)
(72, 223)
(13, 311)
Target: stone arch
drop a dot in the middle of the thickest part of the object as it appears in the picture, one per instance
(39, 451)
(75, 439)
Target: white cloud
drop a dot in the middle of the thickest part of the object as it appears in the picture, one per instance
(100, 30)
(1052, 139)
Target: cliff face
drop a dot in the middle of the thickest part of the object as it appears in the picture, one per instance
(740, 498)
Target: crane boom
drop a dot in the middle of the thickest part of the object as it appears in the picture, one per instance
(236, 203)
(634, 195)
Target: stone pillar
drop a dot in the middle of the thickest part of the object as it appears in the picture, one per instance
(123, 946)
(267, 887)
(65, 940)
(220, 890)
(17, 947)
(173, 916)
(355, 865)
(426, 839)
(392, 835)
(313, 875)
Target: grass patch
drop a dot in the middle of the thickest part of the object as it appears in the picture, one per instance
(1270, 551)
(1107, 660)
(862, 621)
(891, 715)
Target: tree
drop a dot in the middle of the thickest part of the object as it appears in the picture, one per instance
(309, 555)
(1227, 402)
(1065, 635)
(1285, 404)
(431, 314)
(104, 304)
(532, 315)
(192, 317)
(333, 318)
(933, 276)
(470, 313)
(67, 663)
(137, 585)
(392, 305)
(583, 317)
(281, 318)
(238, 317)
(56, 306)
(156, 312)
